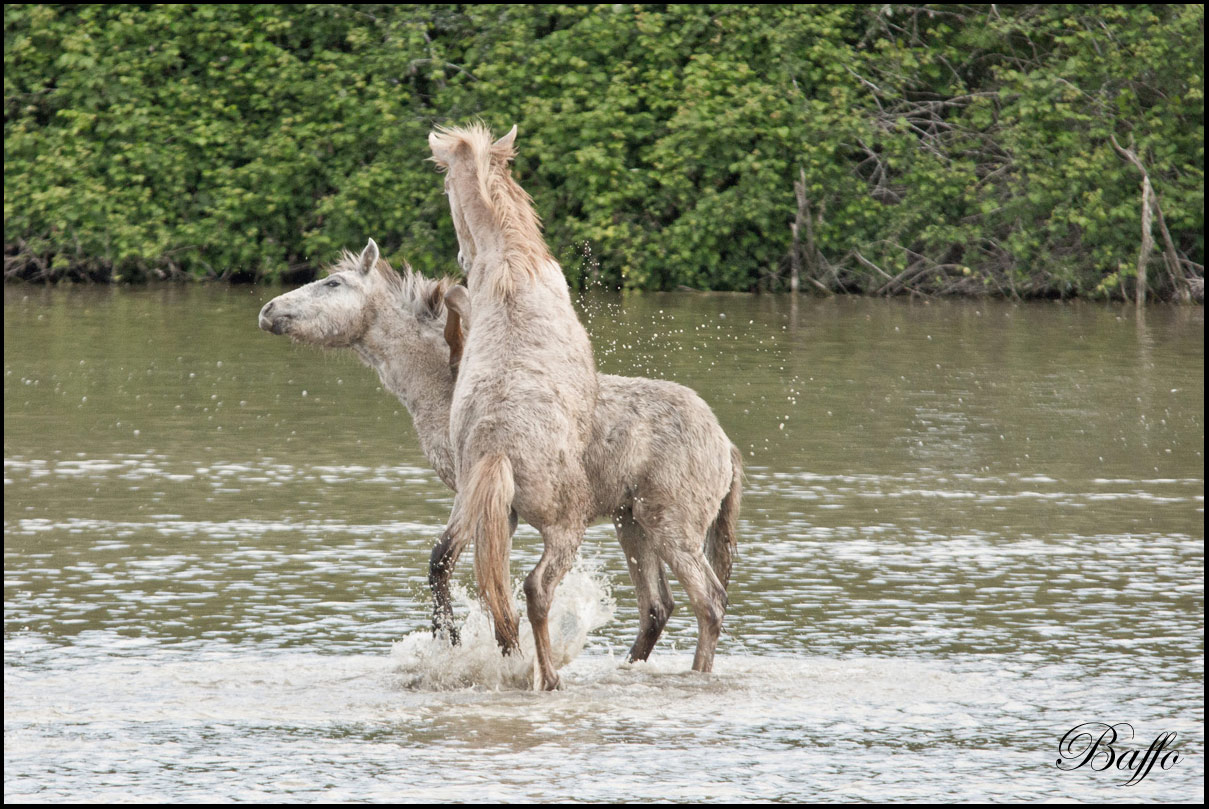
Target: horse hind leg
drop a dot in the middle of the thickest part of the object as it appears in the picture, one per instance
(559, 554)
(705, 593)
(440, 569)
(655, 602)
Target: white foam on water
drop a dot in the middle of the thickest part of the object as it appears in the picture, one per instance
(583, 602)
(123, 719)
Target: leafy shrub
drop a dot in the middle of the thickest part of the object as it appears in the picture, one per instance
(949, 148)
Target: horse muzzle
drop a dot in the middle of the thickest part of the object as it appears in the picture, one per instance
(271, 321)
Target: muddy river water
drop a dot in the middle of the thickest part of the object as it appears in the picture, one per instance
(968, 528)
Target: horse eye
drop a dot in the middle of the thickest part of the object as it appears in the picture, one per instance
(332, 283)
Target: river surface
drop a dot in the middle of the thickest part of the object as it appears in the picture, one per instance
(967, 528)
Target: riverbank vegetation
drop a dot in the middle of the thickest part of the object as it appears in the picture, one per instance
(1011, 150)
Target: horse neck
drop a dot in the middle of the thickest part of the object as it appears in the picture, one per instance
(416, 371)
(498, 219)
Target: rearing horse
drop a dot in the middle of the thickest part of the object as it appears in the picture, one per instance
(521, 418)
(660, 466)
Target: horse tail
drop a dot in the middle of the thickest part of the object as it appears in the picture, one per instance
(486, 514)
(721, 542)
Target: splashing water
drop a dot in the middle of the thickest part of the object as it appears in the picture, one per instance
(583, 602)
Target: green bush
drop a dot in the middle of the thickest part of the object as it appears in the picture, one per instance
(943, 149)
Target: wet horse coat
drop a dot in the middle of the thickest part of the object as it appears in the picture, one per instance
(521, 417)
(656, 447)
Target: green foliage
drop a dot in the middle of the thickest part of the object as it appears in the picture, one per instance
(945, 148)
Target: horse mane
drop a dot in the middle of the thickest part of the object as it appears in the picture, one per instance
(424, 296)
(525, 250)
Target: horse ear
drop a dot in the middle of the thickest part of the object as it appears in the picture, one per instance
(439, 155)
(369, 257)
(443, 144)
(457, 323)
(504, 146)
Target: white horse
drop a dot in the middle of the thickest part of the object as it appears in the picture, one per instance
(657, 456)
